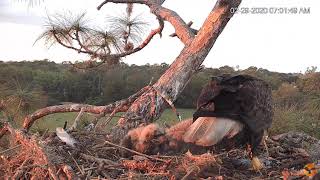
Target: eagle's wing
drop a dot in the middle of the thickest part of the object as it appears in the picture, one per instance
(256, 104)
(65, 137)
(208, 131)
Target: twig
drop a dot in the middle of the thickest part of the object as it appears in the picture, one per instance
(45, 132)
(15, 147)
(21, 169)
(266, 147)
(190, 173)
(76, 164)
(69, 172)
(108, 120)
(90, 168)
(98, 160)
(76, 120)
(135, 152)
(53, 173)
(169, 101)
(34, 165)
(188, 24)
(151, 80)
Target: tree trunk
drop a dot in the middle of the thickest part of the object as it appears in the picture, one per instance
(150, 105)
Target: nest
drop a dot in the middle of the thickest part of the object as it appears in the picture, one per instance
(96, 158)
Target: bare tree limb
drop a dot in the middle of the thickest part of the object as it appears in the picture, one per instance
(107, 56)
(183, 31)
(194, 31)
(69, 47)
(124, 104)
(145, 42)
(122, 1)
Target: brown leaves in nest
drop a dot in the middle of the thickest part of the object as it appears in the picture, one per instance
(146, 166)
(142, 136)
(96, 159)
(206, 159)
(24, 162)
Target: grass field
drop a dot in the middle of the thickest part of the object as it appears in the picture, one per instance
(57, 120)
(285, 119)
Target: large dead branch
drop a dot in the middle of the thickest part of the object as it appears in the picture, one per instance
(120, 106)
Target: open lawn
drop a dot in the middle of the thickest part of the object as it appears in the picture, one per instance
(285, 119)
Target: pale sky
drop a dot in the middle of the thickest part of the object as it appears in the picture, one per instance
(278, 42)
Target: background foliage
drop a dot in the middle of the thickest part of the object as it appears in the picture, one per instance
(26, 86)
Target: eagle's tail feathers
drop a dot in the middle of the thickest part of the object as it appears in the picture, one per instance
(208, 131)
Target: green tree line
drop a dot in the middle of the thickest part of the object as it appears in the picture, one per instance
(28, 85)
(62, 83)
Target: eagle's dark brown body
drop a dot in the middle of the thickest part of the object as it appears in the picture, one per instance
(231, 110)
(241, 98)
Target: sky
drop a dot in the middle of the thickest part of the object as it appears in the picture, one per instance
(279, 42)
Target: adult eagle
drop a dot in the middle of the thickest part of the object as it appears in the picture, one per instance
(229, 105)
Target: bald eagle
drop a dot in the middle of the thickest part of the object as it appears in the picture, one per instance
(228, 105)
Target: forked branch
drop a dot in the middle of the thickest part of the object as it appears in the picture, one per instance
(145, 42)
(183, 31)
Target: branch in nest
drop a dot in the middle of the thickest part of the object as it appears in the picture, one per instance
(53, 173)
(10, 149)
(3, 131)
(135, 152)
(2, 105)
(124, 104)
(108, 120)
(69, 172)
(75, 122)
(21, 170)
(100, 161)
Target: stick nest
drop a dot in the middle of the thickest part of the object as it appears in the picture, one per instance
(93, 158)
